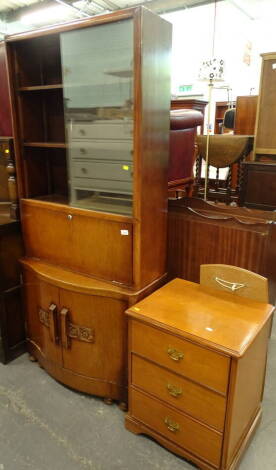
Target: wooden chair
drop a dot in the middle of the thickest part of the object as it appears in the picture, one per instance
(233, 279)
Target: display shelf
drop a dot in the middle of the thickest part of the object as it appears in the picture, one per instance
(41, 87)
(58, 145)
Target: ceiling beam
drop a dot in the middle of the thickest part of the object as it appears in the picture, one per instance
(158, 6)
(67, 4)
(165, 6)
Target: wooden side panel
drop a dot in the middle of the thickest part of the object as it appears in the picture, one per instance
(99, 350)
(5, 106)
(265, 135)
(152, 147)
(246, 388)
(246, 110)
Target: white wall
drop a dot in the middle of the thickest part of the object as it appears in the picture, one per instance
(192, 43)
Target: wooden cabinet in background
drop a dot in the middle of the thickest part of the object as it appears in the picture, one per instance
(221, 108)
(91, 119)
(245, 119)
(5, 107)
(12, 332)
(196, 384)
(8, 182)
(206, 233)
(265, 142)
(258, 185)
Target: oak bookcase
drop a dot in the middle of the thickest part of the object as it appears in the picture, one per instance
(91, 104)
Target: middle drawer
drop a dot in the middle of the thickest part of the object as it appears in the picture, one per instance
(200, 403)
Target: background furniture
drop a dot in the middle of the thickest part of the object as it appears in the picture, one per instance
(8, 183)
(221, 107)
(190, 103)
(225, 151)
(258, 185)
(265, 143)
(238, 281)
(205, 233)
(196, 384)
(183, 124)
(86, 172)
(246, 110)
(5, 107)
(12, 334)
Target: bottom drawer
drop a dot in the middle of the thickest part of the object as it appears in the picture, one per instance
(183, 431)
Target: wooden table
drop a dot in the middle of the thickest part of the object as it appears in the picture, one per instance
(197, 359)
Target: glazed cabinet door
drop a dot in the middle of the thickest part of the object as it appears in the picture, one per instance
(93, 333)
(41, 313)
(97, 68)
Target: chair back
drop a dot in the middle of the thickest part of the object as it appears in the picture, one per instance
(183, 128)
(233, 279)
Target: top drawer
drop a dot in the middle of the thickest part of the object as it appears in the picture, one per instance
(183, 357)
(113, 129)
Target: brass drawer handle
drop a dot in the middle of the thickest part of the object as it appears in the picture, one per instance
(171, 425)
(175, 355)
(174, 391)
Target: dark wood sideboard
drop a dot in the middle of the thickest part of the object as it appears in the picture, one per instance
(258, 185)
(12, 334)
(202, 233)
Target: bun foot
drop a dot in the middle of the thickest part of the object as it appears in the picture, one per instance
(123, 406)
(108, 401)
(32, 358)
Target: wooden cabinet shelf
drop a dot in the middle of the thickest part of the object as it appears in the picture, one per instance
(58, 145)
(41, 87)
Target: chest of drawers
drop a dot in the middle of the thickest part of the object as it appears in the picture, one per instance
(197, 360)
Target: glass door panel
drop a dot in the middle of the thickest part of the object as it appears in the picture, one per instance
(97, 67)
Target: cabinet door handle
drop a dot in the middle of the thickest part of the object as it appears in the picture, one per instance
(174, 391)
(174, 354)
(64, 315)
(53, 325)
(171, 425)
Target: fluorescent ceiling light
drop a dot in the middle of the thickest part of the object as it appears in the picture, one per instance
(84, 4)
(51, 14)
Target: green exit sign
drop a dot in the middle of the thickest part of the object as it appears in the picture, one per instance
(185, 88)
